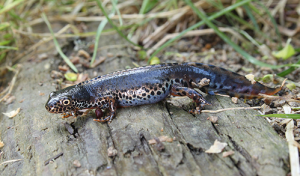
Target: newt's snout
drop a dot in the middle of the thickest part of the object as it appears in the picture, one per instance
(58, 104)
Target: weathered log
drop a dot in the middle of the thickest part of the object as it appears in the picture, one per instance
(81, 146)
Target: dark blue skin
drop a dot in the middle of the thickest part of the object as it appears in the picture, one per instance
(151, 84)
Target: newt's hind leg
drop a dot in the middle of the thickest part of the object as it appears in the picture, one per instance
(177, 90)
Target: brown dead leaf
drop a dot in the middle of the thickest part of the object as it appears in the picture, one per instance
(83, 53)
(76, 163)
(234, 100)
(98, 62)
(21, 101)
(1, 144)
(63, 68)
(250, 77)
(55, 74)
(111, 151)
(228, 153)
(217, 147)
(12, 113)
(82, 77)
(213, 119)
(75, 60)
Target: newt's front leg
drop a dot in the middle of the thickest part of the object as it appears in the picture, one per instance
(74, 113)
(112, 107)
(177, 90)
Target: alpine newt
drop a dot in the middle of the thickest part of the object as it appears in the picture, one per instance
(151, 84)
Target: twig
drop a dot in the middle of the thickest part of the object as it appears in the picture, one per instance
(12, 83)
(10, 161)
(293, 150)
(229, 109)
(53, 158)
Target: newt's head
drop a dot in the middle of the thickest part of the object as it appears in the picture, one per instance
(60, 102)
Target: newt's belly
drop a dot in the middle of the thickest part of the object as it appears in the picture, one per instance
(147, 94)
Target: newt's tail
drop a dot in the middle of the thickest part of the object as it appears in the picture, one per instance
(273, 91)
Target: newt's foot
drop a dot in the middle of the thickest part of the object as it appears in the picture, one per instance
(195, 111)
(108, 118)
(66, 115)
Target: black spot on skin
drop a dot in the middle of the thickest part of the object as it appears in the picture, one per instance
(164, 89)
(155, 88)
(152, 92)
(151, 87)
(126, 101)
(231, 94)
(149, 96)
(158, 92)
(181, 81)
(168, 79)
(120, 95)
(126, 97)
(183, 93)
(172, 81)
(79, 84)
(147, 84)
(144, 94)
(147, 90)
(221, 86)
(123, 96)
(117, 91)
(185, 84)
(117, 98)
(177, 89)
(177, 80)
(211, 66)
(130, 98)
(167, 84)
(178, 93)
(195, 98)
(130, 102)
(134, 95)
(160, 85)
(145, 98)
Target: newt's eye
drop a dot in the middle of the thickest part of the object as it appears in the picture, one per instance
(66, 102)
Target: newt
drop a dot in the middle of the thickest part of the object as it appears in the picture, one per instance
(151, 84)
